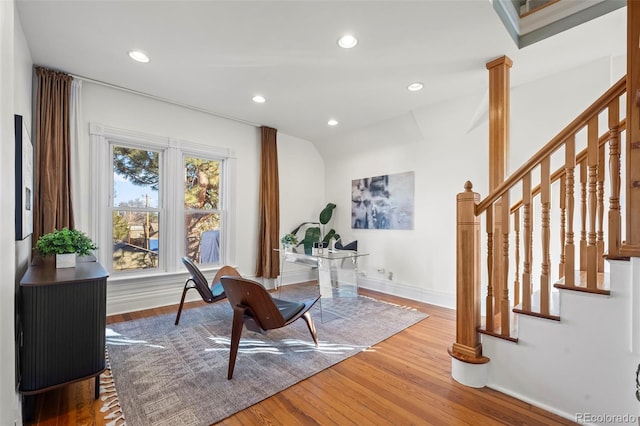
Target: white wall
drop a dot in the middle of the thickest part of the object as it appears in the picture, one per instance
(445, 145)
(301, 175)
(15, 98)
(8, 403)
(301, 172)
(541, 109)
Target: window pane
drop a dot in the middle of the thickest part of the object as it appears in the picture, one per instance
(136, 239)
(135, 177)
(202, 232)
(201, 184)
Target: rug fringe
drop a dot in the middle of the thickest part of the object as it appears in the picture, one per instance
(111, 403)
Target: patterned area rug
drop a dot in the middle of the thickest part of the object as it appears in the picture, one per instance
(167, 375)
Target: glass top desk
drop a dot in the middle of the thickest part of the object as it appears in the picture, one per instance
(337, 269)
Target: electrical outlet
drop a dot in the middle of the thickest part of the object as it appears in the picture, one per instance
(381, 270)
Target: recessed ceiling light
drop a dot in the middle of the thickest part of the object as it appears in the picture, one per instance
(347, 41)
(259, 99)
(332, 122)
(139, 56)
(414, 87)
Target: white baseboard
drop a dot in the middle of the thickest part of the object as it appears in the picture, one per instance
(152, 292)
(408, 291)
(534, 403)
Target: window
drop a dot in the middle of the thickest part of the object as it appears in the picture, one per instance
(201, 209)
(136, 214)
(167, 199)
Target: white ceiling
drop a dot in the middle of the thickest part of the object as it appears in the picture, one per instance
(215, 55)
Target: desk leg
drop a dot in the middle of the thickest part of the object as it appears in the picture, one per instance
(324, 279)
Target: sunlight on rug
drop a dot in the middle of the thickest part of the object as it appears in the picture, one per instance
(167, 374)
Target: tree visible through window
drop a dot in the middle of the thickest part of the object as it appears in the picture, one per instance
(201, 209)
(135, 215)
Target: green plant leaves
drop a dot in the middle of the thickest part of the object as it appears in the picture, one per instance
(311, 236)
(331, 234)
(314, 233)
(65, 241)
(326, 213)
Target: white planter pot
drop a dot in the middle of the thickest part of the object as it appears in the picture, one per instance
(66, 260)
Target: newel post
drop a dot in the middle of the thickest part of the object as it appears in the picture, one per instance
(466, 352)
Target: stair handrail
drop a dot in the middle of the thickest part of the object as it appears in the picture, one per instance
(553, 145)
(561, 171)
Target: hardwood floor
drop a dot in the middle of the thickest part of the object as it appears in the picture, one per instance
(405, 380)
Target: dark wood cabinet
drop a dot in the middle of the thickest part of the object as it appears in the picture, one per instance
(62, 319)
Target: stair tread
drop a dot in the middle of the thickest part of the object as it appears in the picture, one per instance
(603, 284)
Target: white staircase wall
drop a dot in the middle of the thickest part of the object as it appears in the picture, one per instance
(582, 367)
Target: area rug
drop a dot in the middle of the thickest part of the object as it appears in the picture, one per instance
(167, 375)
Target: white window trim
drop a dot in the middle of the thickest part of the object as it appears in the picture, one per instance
(100, 223)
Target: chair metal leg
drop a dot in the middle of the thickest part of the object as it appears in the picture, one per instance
(236, 332)
(184, 293)
(311, 325)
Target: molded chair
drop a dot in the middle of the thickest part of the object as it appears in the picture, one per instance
(254, 307)
(197, 280)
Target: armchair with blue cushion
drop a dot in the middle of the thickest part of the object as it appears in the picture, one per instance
(209, 293)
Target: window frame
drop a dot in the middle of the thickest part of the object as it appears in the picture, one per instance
(219, 208)
(171, 198)
(160, 209)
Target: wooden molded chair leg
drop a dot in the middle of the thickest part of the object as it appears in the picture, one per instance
(236, 332)
(312, 327)
(184, 293)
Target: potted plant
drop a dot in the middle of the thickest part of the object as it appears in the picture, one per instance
(288, 240)
(66, 244)
(313, 233)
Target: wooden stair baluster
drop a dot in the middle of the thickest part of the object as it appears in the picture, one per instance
(600, 196)
(505, 312)
(489, 299)
(613, 246)
(516, 280)
(528, 241)
(583, 214)
(545, 201)
(498, 279)
(570, 250)
(563, 224)
(592, 177)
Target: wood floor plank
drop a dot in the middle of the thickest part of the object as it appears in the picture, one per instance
(403, 380)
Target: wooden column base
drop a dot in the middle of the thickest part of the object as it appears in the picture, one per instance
(468, 354)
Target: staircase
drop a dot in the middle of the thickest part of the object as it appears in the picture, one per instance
(581, 365)
(543, 278)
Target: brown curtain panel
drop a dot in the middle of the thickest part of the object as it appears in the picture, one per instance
(269, 207)
(52, 198)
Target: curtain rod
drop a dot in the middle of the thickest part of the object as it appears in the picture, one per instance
(158, 98)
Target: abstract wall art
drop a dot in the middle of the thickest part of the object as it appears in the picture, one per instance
(383, 202)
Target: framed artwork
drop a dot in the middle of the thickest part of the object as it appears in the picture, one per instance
(383, 202)
(24, 180)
